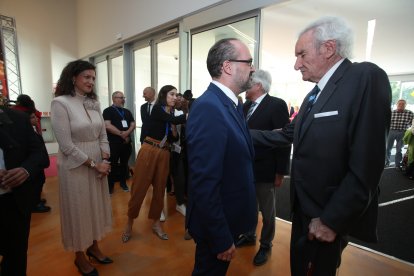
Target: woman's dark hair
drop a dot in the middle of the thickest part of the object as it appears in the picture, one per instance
(25, 101)
(188, 95)
(162, 95)
(65, 84)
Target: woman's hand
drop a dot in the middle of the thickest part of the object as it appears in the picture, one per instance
(103, 168)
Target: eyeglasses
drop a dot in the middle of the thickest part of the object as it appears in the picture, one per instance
(120, 98)
(248, 61)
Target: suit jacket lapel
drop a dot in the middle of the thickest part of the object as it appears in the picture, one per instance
(259, 108)
(229, 105)
(321, 101)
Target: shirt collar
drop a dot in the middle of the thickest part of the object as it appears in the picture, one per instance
(259, 100)
(227, 91)
(324, 80)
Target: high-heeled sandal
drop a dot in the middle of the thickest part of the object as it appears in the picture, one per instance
(159, 233)
(106, 260)
(125, 237)
(94, 272)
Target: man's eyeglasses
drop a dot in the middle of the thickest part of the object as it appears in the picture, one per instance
(248, 61)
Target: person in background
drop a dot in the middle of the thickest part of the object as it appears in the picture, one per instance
(339, 141)
(26, 104)
(119, 124)
(178, 165)
(21, 158)
(188, 95)
(149, 95)
(85, 205)
(295, 112)
(39, 180)
(270, 166)
(221, 195)
(401, 119)
(152, 163)
(408, 139)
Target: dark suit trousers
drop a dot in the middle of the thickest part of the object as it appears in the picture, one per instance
(119, 161)
(178, 171)
(14, 236)
(206, 262)
(325, 257)
(265, 195)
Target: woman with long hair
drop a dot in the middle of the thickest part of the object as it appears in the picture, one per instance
(85, 206)
(152, 164)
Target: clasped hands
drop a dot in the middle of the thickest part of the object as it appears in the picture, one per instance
(103, 168)
(320, 232)
(12, 178)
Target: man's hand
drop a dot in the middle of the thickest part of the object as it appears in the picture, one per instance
(279, 180)
(13, 178)
(319, 231)
(228, 254)
(124, 135)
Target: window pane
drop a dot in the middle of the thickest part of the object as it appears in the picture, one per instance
(167, 63)
(244, 30)
(101, 84)
(142, 65)
(117, 74)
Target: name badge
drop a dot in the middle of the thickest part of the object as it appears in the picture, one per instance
(124, 123)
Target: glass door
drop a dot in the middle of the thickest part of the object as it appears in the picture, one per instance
(167, 63)
(142, 76)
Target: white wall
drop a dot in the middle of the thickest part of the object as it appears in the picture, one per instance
(46, 35)
(100, 21)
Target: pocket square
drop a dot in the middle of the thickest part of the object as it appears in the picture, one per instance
(326, 114)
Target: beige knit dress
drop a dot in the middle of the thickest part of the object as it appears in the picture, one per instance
(85, 206)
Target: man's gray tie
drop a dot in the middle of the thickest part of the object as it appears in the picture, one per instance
(250, 111)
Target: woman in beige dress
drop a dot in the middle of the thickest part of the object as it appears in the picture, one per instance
(85, 207)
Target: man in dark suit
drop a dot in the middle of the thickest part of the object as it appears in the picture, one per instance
(222, 202)
(265, 112)
(21, 159)
(149, 96)
(339, 148)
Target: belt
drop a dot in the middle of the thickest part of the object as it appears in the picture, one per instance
(165, 147)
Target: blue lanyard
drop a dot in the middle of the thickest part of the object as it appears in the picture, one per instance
(166, 124)
(122, 114)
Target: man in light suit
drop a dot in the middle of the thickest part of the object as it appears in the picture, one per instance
(339, 148)
(265, 112)
(222, 202)
(21, 160)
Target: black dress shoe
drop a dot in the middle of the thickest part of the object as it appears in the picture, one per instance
(262, 256)
(105, 260)
(124, 187)
(41, 208)
(245, 240)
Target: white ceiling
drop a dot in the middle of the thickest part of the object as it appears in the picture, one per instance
(393, 39)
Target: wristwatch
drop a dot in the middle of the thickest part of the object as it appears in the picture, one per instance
(92, 164)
